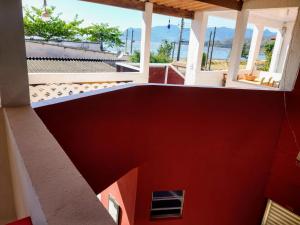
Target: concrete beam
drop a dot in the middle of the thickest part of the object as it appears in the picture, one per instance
(14, 90)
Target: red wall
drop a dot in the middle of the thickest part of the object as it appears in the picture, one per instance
(124, 192)
(157, 75)
(174, 77)
(217, 144)
(284, 185)
(25, 221)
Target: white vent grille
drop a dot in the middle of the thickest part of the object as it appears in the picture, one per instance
(277, 215)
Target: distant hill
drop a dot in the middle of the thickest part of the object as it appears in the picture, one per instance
(160, 33)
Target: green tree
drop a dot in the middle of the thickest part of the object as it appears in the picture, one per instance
(268, 50)
(165, 49)
(135, 57)
(245, 51)
(103, 34)
(204, 58)
(163, 54)
(53, 27)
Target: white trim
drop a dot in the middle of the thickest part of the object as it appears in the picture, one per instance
(133, 66)
(48, 78)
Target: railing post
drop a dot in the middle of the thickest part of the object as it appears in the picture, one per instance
(196, 46)
(14, 90)
(146, 40)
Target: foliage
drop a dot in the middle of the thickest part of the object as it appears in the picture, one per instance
(245, 51)
(204, 58)
(103, 34)
(268, 50)
(135, 57)
(165, 49)
(163, 54)
(51, 28)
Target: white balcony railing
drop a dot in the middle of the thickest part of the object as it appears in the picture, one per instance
(45, 86)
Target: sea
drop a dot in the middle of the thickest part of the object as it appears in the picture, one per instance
(218, 52)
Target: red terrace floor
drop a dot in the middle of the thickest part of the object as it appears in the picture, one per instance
(230, 150)
(25, 221)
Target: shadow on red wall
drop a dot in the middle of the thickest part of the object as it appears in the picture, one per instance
(124, 192)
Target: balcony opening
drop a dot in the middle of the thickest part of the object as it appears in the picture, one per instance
(267, 50)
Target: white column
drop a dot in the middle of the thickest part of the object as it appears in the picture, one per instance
(196, 46)
(276, 52)
(14, 90)
(237, 45)
(146, 40)
(258, 31)
(285, 46)
(291, 66)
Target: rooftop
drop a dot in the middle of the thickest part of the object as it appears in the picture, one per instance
(67, 65)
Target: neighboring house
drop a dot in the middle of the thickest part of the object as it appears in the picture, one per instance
(45, 91)
(36, 49)
(67, 65)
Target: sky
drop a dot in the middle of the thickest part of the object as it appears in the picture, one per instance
(114, 16)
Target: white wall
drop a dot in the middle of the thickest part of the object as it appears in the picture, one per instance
(14, 89)
(47, 185)
(211, 78)
(7, 208)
